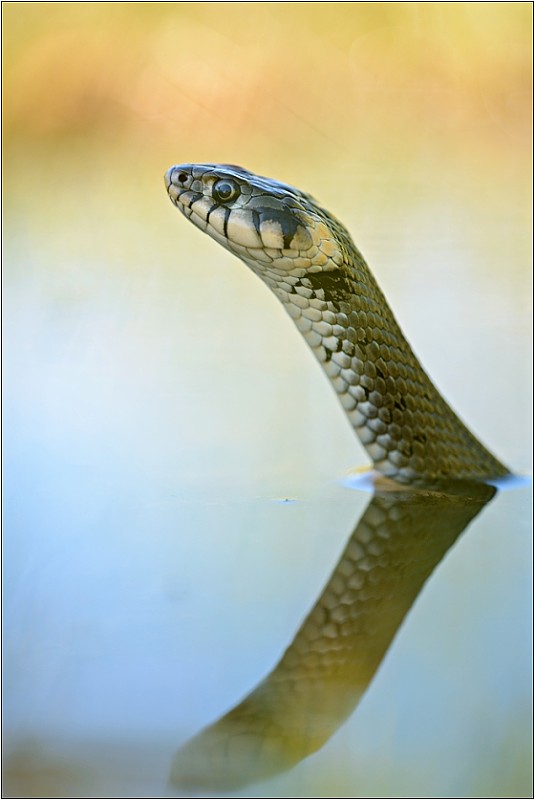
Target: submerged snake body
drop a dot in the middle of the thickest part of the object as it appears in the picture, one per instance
(308, 259)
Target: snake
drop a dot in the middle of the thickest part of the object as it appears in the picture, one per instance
(308, 259)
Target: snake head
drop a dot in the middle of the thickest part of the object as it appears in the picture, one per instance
(263, 222)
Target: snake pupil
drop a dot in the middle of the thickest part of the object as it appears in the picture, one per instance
(225, 190)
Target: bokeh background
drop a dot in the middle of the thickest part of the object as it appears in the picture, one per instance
(157, 401)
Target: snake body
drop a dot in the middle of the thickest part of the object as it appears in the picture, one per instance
(309, 261)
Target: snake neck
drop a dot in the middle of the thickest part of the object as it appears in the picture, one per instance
(407, 427)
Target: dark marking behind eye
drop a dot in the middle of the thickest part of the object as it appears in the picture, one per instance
(285, 219)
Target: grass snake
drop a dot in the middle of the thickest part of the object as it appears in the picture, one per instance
(309, 261)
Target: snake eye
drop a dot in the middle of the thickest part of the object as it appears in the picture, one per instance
(225, 190)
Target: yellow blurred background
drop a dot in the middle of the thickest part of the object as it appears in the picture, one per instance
(261, 79)
(296, 88)
(410, 121)
(152, 385)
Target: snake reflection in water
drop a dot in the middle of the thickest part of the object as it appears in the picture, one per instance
(309, 261)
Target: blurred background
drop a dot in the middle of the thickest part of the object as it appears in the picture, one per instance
(158, 402)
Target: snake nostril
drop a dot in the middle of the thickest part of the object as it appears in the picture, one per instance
(182, 177)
